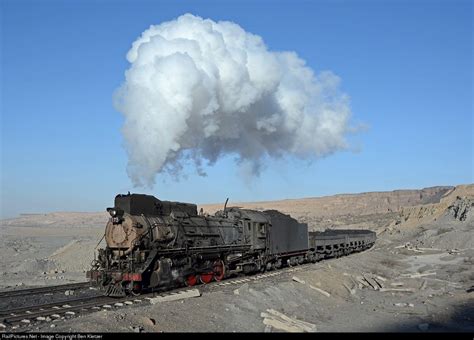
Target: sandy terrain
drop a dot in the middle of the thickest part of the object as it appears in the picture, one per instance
(42, 249)
(423, 259)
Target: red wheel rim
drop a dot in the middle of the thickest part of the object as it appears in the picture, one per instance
(191, 280)
(206, 277)
(219, 270)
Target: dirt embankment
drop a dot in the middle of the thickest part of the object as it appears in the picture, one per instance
(366, 210)
(457, 203)
(357, 204)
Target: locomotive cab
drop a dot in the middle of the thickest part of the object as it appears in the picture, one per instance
(254, 224)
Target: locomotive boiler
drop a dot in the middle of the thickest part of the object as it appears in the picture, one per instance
(154, 244)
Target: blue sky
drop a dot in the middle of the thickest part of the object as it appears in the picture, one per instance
(406, 65)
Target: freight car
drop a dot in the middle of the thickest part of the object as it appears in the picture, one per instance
(153, 244)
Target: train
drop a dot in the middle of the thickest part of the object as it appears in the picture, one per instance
(154, 245)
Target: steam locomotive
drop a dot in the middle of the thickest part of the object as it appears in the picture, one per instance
(154, 244)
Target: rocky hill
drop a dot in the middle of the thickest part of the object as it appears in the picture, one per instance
(364, 210)
(456, 204)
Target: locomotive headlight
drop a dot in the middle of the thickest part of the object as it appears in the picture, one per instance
(115, 212)
(112, 212)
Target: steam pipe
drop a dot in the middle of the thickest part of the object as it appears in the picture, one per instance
(225, 204)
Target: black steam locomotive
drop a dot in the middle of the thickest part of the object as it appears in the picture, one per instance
(154, 244)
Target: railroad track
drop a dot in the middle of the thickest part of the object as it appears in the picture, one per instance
(42, 290)
(50, 312)
(24, 316)
(40, 307)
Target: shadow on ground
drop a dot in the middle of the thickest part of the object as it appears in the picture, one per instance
(459, 320)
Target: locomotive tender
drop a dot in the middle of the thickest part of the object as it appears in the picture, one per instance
(153, 244)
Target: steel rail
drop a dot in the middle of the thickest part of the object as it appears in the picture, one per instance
(43, 289)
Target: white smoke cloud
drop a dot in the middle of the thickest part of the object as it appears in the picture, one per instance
(198, 90)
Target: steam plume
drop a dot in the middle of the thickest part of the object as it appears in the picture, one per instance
(198, 90)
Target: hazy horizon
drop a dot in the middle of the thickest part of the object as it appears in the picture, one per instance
(232, 202)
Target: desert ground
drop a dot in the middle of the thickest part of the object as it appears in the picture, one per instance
(419, 276)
